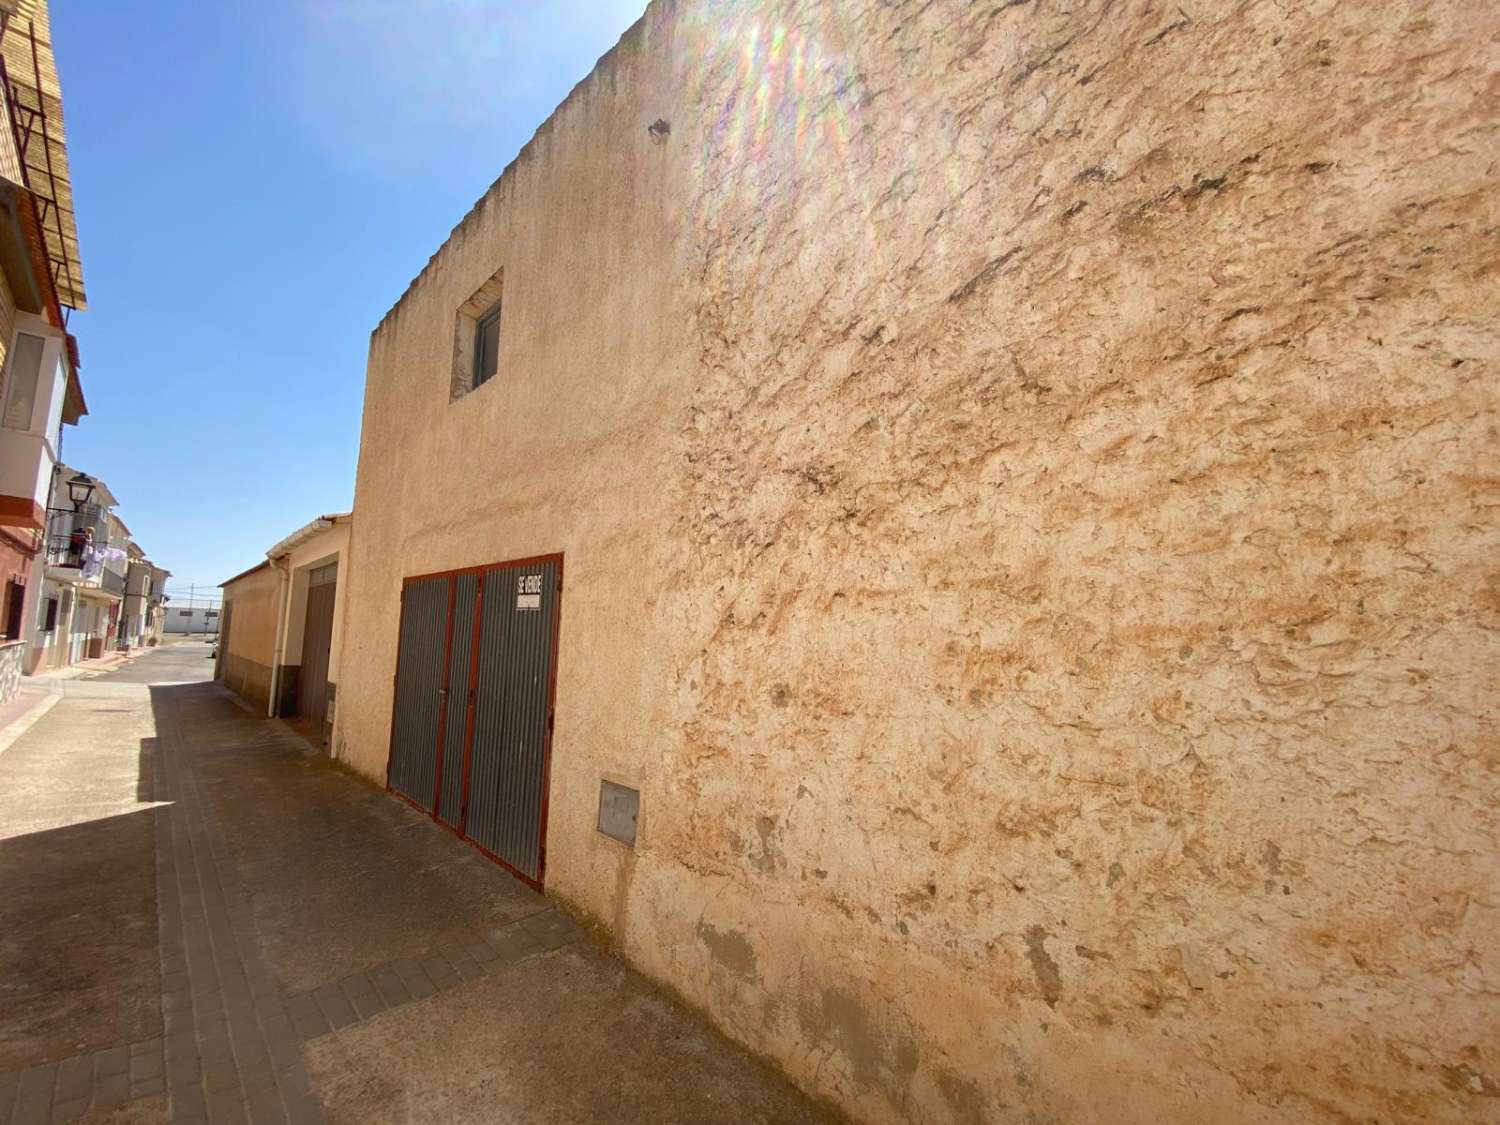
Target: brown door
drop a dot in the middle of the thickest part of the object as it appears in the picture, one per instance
(317, 638)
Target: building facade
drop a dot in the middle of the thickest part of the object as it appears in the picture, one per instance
(156, 605)
(196, 618)
(82, 612)
(143, 607)
(283, 626)
(41, 394)
(1026, 649)
(40, 278)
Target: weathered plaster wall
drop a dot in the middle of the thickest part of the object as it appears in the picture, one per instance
(248, 679)
(245, 664)
(1026, 477)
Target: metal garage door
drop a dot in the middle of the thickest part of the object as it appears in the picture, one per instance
(458, 699)
(513, 714)
(475, 684)
(419, 684)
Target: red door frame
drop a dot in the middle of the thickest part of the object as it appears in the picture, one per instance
(460, 829)
(463, 800)
(390, 746)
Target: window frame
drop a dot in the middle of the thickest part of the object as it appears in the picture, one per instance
(482, 323)
(18, 377)
(14, 623)
(484, 311)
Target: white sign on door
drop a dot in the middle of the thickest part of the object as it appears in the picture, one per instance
(529, 591)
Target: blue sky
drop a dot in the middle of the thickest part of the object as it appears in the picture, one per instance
(256, 183)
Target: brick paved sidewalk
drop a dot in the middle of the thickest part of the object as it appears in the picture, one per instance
(309, 922)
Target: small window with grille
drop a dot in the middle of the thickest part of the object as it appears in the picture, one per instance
(487, 346)
(476, 340)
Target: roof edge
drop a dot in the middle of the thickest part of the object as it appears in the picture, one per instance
(600, 64)
(307, 531)
(244, 573)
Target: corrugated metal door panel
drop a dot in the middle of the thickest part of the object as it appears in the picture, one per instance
(419, 679)
(456, 718)
(511, 716)
(485, 765)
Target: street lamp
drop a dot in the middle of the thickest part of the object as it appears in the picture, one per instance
(80, 490)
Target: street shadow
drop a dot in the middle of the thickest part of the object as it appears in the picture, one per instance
(341, 877)
(339, 874)
(79, 967)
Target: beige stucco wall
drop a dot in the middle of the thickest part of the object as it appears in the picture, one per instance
(1026, 481)
(245, 664)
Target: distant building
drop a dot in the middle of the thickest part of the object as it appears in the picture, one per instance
(156, 609)
(141, 614)
(89, 555)
(78, 591)
(283, 625)
(191, 618)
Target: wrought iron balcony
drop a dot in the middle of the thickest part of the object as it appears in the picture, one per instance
(67, 551)
(63, 550)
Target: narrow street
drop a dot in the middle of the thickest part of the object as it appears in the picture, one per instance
(201, 919)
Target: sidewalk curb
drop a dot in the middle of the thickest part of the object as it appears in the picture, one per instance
(86, 669)
(27, 719)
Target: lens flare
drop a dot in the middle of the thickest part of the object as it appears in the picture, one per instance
(781, 102)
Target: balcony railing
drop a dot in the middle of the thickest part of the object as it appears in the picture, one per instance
(62, 523)
(63, 550)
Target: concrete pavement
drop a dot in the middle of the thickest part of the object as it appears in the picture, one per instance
(201, 919)
(178, 661)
